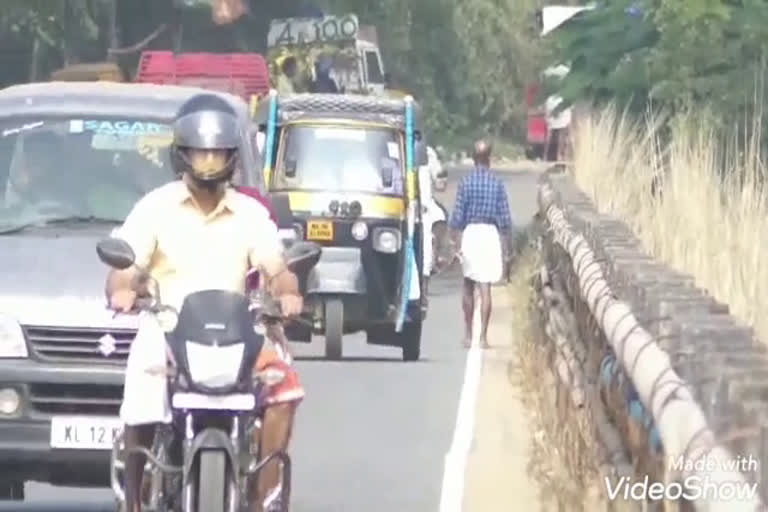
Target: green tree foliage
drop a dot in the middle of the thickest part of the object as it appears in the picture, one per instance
(61, 32)
(679, 54)
(467, 61)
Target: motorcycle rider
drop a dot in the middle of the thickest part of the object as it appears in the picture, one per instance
(193, 234)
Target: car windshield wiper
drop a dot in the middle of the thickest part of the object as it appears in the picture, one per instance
(81, 219)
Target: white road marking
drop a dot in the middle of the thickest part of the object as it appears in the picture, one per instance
(452, 495)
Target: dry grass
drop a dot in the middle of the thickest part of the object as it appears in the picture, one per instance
(560, 461)
(711, 220)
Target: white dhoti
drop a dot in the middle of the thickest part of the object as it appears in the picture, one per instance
(145, 396)
(426, 235)
(431, 213)
(482, 260)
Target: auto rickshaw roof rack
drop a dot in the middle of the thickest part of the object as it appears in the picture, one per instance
(389, 111)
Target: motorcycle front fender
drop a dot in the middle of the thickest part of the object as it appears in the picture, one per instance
(207, 439)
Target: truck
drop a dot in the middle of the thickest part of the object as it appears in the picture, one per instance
(548, 18)
(242, 74)
(89, 72)
(357, 64)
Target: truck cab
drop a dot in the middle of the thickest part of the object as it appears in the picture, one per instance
(371, 67)
(243, 74)
(358, 67)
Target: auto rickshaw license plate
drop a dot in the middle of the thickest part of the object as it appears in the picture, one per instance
(319, 230)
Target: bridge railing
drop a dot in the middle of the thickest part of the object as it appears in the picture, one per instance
(665, 366)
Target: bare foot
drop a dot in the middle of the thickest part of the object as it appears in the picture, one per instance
(467, 342)
(484, 344)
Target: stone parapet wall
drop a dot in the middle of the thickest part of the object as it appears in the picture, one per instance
(672, 373)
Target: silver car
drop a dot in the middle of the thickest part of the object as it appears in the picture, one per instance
(74, 158)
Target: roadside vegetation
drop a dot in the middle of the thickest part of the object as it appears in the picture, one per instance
(468, 61)
(561, 461)
(697, 202)
(670, 137)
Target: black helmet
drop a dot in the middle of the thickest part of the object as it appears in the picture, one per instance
(206, 122)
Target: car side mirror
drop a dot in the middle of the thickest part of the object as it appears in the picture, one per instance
(290, 168)
(281, 206)
(116, 253)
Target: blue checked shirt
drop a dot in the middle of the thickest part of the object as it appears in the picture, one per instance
(481, 198)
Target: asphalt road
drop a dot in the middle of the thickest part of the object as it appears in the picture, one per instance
(373, 431)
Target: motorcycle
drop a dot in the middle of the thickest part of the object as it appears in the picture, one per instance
(205, 458)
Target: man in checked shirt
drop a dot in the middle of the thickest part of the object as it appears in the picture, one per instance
(481, 217)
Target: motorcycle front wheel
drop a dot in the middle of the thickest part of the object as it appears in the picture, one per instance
(212, 482)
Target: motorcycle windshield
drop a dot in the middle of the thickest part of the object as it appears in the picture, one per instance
(216, 317)
(214, 342)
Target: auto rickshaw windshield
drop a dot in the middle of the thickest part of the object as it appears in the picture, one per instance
(350, 159)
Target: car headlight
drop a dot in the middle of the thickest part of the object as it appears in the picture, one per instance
(12, 341)
(386, 240)
(214, 366)
(359, 231)
(167, 319)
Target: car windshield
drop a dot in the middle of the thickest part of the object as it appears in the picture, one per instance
(84, 169)
(335, 158)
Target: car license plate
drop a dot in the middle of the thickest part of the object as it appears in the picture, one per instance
(319, 230)
(84, 432)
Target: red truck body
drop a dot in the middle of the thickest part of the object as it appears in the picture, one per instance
(242, 74)
(536, 129)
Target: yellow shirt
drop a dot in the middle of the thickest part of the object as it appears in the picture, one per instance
(186, 250)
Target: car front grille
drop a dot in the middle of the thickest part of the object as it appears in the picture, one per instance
(75, 399)
(59, 344)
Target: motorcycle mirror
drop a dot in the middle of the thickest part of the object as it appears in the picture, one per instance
(301, 257)
(116, 253)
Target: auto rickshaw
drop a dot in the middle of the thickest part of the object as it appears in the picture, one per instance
(346, 167)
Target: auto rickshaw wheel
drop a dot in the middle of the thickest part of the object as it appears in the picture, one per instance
(334, 328)
(410, 339)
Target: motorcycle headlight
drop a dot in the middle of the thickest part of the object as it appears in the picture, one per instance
(12, 341)
(214, 366)
(386, 240)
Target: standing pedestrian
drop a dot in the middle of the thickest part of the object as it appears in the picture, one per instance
(481, 217)
(288, 68)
